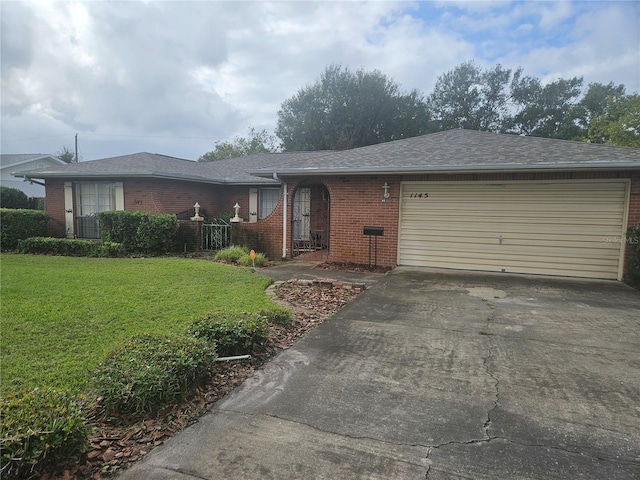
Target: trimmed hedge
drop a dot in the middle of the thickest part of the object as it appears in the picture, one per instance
(18, 224)
(140, 232)
(40, 429)
(632, 271)
(233, 333)
(69, 247)
(150, 371)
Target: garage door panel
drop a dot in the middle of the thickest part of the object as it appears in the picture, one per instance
(556, 228)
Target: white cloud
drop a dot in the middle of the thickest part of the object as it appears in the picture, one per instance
(134, 76)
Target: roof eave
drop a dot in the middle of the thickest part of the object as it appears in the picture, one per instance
(448, 169)
(141, 174)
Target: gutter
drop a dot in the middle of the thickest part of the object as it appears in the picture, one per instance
(450, 169)
(285, 194)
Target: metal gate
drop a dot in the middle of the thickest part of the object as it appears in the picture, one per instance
(216, 235)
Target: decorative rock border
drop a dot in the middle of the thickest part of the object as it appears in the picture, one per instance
(328, 283)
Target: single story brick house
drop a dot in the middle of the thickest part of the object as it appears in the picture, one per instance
(458, 199)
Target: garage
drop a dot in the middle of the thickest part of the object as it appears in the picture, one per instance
(564, 227)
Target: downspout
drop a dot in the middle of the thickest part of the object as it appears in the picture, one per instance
(284, 215)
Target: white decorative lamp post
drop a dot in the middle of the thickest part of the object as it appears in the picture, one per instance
(197, 217)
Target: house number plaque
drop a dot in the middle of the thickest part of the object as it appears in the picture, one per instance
(419, 195)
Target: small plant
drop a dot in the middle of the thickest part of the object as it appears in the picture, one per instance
(233, 333)
(279, 315)
(40, 429)
(246, 260)
(231, 254)
(151, 370)
(240, 256)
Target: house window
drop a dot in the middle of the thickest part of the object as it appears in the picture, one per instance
(91, 199)
(268, 199)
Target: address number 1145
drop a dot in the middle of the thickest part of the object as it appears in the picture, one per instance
(419, 195)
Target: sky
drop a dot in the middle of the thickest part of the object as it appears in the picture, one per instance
(174, 77)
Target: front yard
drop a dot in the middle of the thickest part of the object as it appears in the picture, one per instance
(61, 315)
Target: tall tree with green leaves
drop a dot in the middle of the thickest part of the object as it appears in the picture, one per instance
(620, 124)
(345, 109)
(470, 97)
(544, 110)
(256, 142)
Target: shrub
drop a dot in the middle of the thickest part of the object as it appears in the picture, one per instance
(13, 198)
(150, 371)
(240, 256)
(632, 271)
(246, 261)
(40, 429)
(20, 224)
(233, 333)
(58, 246)
(231, 254)
(140, 232)
(110, 249)
(278, 314)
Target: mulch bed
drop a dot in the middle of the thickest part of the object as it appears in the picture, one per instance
(120, 441)
(353, 267)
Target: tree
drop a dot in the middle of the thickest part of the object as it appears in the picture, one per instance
(471, 98)
(345, 109)
(66, 155)
(256, 142)
(13, 198)
(544, 111)
(595, 101)
(620, 124)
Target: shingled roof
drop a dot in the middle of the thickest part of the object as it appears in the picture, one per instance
(443, 152)
(463, 151)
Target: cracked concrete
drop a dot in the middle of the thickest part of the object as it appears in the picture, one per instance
(441, 376)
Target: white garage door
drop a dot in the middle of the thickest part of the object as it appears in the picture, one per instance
(570, 228)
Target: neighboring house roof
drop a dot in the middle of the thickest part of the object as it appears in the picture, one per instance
(231, 171)
(463, 151)
(16, 159)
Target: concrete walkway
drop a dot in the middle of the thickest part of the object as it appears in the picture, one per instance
(438, 376)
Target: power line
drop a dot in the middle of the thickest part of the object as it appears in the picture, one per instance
(110, 135)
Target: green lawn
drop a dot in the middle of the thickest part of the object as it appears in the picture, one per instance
(61, 315)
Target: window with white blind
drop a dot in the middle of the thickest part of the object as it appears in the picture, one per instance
(268, 199)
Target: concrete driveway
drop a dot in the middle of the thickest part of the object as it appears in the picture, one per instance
(438, 376)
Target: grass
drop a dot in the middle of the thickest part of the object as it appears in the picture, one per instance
(62, 315)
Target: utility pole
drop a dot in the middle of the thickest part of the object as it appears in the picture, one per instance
(76, 148)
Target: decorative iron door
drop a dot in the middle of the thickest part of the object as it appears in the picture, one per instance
(301, 225)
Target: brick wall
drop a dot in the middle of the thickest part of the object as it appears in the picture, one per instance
(634, 200)
(356, 202)
(169, 196)
(54, 206)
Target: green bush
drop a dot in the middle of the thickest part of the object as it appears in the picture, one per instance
(278, 314)
(140, 232)
(233, 333)
(69, 247)
(231, 254)
(632, 271)
(20, 224)
(150, 371)
(40, 429)
(246, 261)
(13, 198)
(240, 256)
